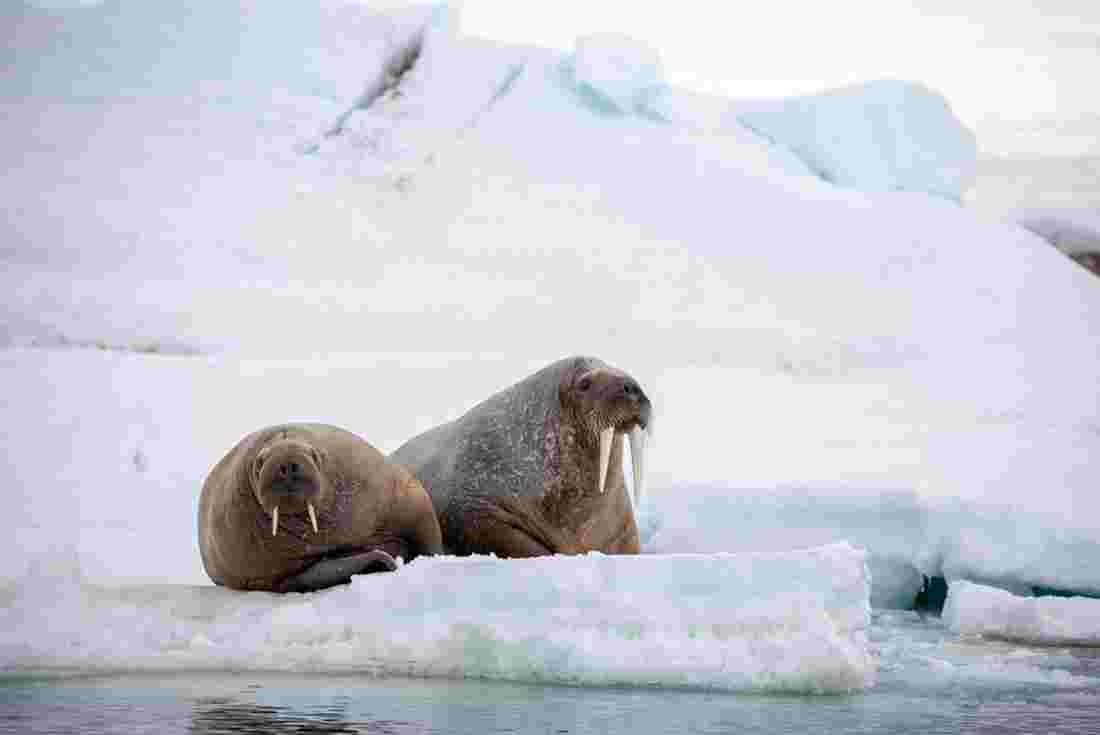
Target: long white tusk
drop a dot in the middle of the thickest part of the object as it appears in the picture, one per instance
(275, 521)
(637, 460)
(312, 516)
(606, 437)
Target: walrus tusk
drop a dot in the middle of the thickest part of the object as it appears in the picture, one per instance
(312, 516)
(606, 437)
(275, 521)
(637, 461)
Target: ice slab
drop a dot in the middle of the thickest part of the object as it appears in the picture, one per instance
(976, 609)
(878, 136)
(791, 622)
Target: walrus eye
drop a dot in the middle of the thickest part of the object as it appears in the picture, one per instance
(585, 384)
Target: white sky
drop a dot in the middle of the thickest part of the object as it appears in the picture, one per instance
(999, 63)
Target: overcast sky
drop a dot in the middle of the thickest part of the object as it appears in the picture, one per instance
(999, 63)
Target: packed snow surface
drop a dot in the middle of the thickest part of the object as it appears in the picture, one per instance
(778, 622)
(880, 136)
(977, 609)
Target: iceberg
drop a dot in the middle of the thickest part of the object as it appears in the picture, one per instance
(879, 136)
(789, 622)
(975, 609)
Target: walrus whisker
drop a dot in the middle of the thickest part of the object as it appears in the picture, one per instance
(312, 516)
(606, 438)
(637, 460)
(275, 521)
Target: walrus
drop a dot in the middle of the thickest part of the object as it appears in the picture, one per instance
(537, 468)
(302, 507)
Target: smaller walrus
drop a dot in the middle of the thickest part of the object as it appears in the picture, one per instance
(537, 468)
(302, 507)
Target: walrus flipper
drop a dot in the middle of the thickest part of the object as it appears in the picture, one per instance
(331, 572)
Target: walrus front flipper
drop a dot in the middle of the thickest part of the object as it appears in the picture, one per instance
(331, 572)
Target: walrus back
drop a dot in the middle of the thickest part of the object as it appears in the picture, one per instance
(430, 458)
(496, 448)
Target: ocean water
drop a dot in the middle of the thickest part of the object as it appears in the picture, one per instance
(930, 681)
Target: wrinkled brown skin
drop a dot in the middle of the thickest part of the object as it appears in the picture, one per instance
(362, 503)
(518, 474)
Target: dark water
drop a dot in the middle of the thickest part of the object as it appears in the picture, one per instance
(281, 704)
(1058, 693)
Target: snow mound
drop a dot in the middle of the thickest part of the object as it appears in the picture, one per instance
(616, 74)
(1072, 231)
(778, 622)
(879, 136)
(976, 609)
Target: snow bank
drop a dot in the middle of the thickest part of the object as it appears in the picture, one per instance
(879, 136)
(976, 609)
(777, 622)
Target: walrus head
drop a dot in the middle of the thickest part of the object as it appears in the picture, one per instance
(286, 477)
(608, 402)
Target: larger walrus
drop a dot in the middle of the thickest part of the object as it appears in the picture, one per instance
(537, 468)
(302, 507)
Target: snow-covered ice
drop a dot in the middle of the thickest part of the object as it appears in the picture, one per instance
(777, 622)
(987, 611)
(880, 136)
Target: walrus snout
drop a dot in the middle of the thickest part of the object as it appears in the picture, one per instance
(289, 471)
(613, 403)
(633, 394)
(632, 408)
(289, 478)
(632, 390)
